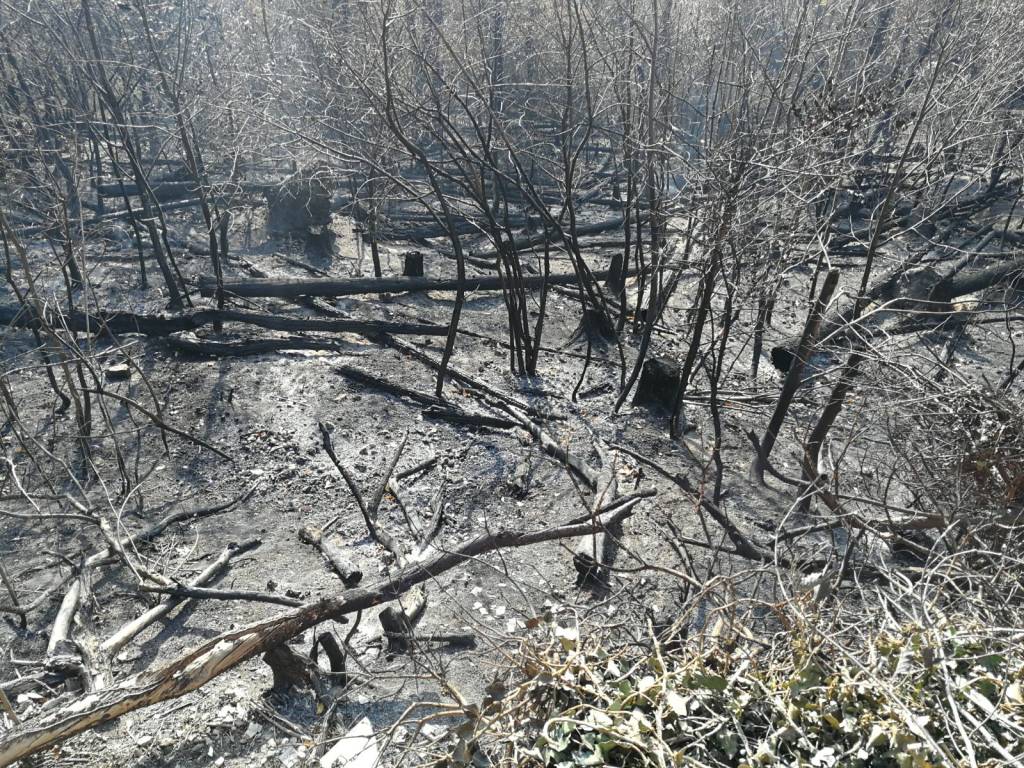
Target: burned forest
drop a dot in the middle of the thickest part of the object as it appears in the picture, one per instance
(512, 383)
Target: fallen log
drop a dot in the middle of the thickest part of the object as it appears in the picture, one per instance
(258, 347)
(287, 289)
(209, 593)
(192, 202)
(60, 635)
(489, 259)
(471, 382)
(176, 189)
(123, 636)
(784, 353)
(101, 321)
(350, 575)
(591, 556)
(373, 382)
(837, 322)
(964, 283)
(553, 448)
(899, 283)
(416, 468)
(64, 655)
(62, 624)
(397, 230)
(164, 191)
(554, 237)
(458, 416)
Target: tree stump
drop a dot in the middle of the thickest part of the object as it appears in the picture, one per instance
(519, 480)
(301, 206)
(292, 671)
(398, 620)
(412, 264)
(595, 326)
(659, 383)
(915, 288)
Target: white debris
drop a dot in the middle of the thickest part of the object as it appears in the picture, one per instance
(289, 757)
(357, 749)
(433, 731)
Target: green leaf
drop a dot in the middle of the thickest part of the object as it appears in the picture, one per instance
(559, 735)
(711, 682)
(810, 676)
(992, 662)
(730, 743)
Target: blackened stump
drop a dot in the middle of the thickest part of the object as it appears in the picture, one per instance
(782, 358)
(301, 206)
(412, 264)
(595, 326)
(659, 383)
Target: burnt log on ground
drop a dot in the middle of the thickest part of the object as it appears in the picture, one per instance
(554, 448)
(164, 191)
(396, 230)
(124, 635)
(472, 383)
(376, 383)
(783, 353)
(531, 241)
(350, 575)
(176, 189)
(592, 555)
(205, 348)
(420, 226)
(358, 286)
(964, 283)
(458, 416)
(192, 202)
(106, 322)
(909, 289)
(174, 205)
